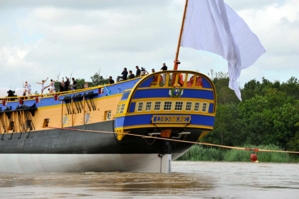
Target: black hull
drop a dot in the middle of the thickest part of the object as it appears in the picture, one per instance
(57, 141)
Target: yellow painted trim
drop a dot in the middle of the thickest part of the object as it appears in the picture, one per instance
(167, 80)
(176, 78)
(185, 81)
(169, 112)
(169, 87)
(173, 99)
(163, 125)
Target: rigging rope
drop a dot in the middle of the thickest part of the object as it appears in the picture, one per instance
(183, 141)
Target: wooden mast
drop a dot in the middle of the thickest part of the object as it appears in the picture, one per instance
(179, 43)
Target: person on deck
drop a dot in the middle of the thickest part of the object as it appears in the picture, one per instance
(137, 71)
(42, 83)
(125, 74)
(66, 84)
(111, 81)
(153, 70)
(51, 86)
(86, 85)
(62, 85)
(164, 67)
(143, 72)
(131, 76)
(74, 83)
(28, 88)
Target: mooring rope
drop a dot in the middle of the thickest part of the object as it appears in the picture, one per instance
(174, 140)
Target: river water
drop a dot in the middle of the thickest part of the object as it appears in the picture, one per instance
(187, 180)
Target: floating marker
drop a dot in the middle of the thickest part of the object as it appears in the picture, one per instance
(253, 157)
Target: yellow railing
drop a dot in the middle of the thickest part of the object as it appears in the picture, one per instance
(47, 95)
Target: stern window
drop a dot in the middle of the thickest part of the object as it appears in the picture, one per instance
(157, 106)
(118, 108)
(140, 107)
(178, 106)
(122, 108)
(148, 106)
(188, 106)
(167, 105)
(196, 106)
(204, 107)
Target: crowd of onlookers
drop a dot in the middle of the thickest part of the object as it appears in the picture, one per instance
(66, 86)
(130, 75)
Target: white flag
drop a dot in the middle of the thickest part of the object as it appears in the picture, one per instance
(213, 26)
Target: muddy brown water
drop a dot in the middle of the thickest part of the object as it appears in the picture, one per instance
(187, 180)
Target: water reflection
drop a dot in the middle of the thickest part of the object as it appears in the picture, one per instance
(189, 179)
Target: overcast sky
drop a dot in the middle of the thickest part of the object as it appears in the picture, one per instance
(40, 39)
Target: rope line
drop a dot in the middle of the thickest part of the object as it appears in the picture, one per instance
(183, 141)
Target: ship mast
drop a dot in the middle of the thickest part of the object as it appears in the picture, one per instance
(176, 61)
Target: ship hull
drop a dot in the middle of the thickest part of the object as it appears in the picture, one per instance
(58, 150)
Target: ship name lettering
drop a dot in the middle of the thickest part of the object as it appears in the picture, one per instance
(171, 118)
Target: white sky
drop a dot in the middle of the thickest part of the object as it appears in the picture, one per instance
(40, 39)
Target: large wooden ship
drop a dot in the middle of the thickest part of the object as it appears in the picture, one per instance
(50, 132)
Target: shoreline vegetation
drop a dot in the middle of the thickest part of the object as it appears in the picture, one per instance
(205, 153)
(266, 118)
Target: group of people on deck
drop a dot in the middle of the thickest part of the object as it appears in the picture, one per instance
(65, 85)
(139, 73)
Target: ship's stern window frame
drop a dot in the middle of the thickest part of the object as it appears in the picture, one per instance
(188, 106)
(179, 106)
(118, 109)
(148, 106)
(122, 108)
(167, 106)
(139, 107)
(204, 107)
(157, 106)
(196, 106)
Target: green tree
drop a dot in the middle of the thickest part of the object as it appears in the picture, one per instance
(98, 79)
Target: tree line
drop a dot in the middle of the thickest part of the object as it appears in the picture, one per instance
(267, 114)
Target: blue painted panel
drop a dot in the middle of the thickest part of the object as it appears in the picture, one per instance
(146, 83)
(119, 121)
(132, 107)
(148, 93)
(205, 83)
(146, 119)
(211, 108)
(125, 95)
(187, 93)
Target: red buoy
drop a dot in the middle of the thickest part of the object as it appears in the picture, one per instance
(36, 99)
(253, 157)
(55, 97)
(20, 101)
(3, 101)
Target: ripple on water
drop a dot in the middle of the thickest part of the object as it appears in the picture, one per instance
(189, 179)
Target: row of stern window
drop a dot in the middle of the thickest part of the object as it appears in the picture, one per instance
(167, 106)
